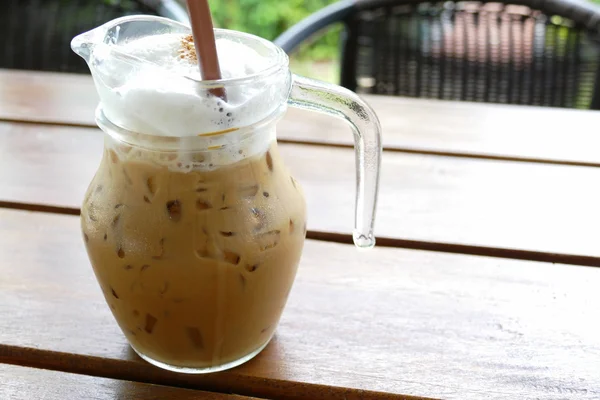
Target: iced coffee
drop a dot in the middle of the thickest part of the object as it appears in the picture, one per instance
(193, 225)
(196, 266)
(194, 239)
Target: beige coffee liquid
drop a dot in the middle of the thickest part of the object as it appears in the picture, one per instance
(196, 266)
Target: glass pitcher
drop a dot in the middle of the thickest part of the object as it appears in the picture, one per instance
(194, 226)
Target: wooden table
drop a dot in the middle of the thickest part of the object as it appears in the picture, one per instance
(482, 285)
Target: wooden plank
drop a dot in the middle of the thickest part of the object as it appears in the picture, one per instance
(524, 133)
(413, 125)
(47, 97)
(388, 321)
(458, 204)
(22, 383)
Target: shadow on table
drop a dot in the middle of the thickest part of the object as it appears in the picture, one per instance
(269, 362)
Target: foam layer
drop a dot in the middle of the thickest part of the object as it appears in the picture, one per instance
(161, 96)
(175, 52)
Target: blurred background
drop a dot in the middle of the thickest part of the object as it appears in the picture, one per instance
(317, 58)
(526, 52)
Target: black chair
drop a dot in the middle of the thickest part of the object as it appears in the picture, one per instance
(36, 34)
(531, 52)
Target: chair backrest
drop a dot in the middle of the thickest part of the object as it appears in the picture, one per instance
(35, 34)
(534, 53)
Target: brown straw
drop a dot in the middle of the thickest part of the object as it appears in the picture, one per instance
(204, 41)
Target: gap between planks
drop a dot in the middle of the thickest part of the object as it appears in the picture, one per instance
(498, 252)
(216, 382)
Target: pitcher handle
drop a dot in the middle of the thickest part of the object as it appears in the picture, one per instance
(342, 103)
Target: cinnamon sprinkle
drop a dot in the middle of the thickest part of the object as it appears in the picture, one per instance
(187, 50)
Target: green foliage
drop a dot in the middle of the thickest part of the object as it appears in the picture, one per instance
(270, 18)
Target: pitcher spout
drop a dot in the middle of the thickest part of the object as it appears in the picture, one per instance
(83, 44)
(122, 29)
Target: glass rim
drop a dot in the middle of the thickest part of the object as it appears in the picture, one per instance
(201, 142)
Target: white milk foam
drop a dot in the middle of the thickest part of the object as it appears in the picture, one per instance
(158, 98)
(170, 106)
